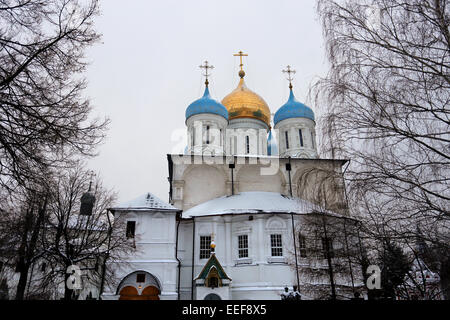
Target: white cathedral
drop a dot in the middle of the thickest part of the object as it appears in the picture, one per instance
(237, 200)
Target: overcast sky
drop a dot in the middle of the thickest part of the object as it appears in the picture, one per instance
(145, 73)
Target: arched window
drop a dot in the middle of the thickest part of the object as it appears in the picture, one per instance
(300, 136)
(212, 280)
(212, 296)
(302, 246)
(286, 135)
(247, 144)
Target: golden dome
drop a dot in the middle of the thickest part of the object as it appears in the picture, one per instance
(244, 103)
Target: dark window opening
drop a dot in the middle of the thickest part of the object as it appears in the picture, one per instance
(300, 135)
(247, 144)
(302, 246)
(140, 277)
(327, 247)
(286, 135)
(213, 282)
(131, 229)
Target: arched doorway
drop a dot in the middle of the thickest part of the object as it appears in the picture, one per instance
(212, 296)
(139, 285)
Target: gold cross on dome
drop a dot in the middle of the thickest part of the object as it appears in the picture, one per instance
(240, 54)
(289, 71)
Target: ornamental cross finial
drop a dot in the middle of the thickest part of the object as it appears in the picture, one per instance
(240, 54)
(206, 66)
(91, 174)
(290, 77)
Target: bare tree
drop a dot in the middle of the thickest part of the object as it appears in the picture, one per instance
(44, 120)
(385, 102)
(327, 238)
(21, 221)
(84, 241)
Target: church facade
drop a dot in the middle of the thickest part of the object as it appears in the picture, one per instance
(244, 202)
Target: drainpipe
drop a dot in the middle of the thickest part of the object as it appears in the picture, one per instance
(295, 251)
(193, 255)
(179, 262)
(231, 166)
(288, 169)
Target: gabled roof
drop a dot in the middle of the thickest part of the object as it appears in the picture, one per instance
(212, 262)
(145, 202)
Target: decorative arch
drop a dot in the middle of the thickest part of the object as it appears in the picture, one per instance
(249, 178)
(275, 223)
(212, 296)
(203, 183)
(213, 279)
(139, 285)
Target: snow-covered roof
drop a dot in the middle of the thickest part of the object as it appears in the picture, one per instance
(147, 201)
(253, 202)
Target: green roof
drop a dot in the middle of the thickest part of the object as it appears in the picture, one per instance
(212, 262)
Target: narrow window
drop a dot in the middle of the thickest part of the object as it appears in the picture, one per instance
(287, 139)
(131, 229)
(300, 135)
(327, 247)
(43, 266)
(302, 246)
(193, 137)
(247, 144)
(313, 141)
(207, 134)
(243, 246)
(205, 247)
(276, 245)
(221, 138)
(140, 277)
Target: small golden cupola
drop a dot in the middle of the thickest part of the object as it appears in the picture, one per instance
(244, 103)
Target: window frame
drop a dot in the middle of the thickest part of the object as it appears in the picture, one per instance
(247, 144)
(243, 249)
(327, 241)
(205, 247)
(276, 244)
(313, 141)
(300, 136)
(128, 234)
(302, 246)
(286, 138)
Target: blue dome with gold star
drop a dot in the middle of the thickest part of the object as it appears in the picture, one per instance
(206, 105)
(293, 109)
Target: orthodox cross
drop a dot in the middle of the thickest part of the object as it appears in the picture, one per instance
(206, 66)
(290, 77)
(91, 175)
(240, 54)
